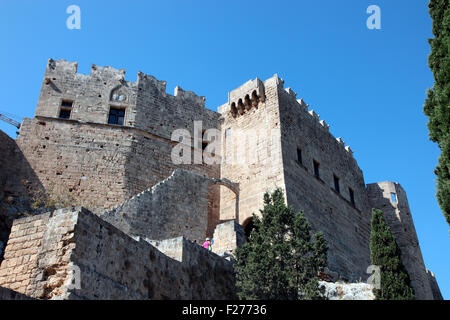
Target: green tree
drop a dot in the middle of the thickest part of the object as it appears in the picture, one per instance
(437, 104)
(385, 253)
(280, 261)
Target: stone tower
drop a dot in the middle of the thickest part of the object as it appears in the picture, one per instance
(294, 150)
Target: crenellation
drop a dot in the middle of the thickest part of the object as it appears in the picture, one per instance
(147, 82)
(291, 92)
(189, 96)
(107, 73)
(62, 66)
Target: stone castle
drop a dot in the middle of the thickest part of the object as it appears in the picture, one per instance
(134, 218)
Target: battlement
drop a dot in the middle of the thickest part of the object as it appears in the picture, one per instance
(189, 96)
(108, 74)
(315, 117)
(247, 96)
(61, 66)
(243, 99)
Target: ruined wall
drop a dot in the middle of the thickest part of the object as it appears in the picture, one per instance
(398, 216)
(345, 225)
(177, 206)
(251, 147)
(46, 255)
(228, 236)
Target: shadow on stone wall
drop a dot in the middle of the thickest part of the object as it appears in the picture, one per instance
(19, 186)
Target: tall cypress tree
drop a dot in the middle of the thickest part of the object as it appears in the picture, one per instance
(437, 104)
(280, 261)
(385, 253)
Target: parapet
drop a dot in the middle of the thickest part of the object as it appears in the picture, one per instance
(146, 81)
(61, 66)
(245, 97)
(189, 96)
(315, 117)
(107, 73)
(73, 254)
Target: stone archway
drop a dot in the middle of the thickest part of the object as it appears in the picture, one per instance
(222, 192)
(226, 198)
(248, 226)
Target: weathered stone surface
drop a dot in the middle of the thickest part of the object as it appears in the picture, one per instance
(8, 294)
(348, 291)
(228, 236)
(177, 206)
(45, 252)
(434, 286)
(398, 217)
(124, 173)
(17, 179)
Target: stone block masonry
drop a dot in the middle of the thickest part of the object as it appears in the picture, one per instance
(228, 236)
(105, 143)
(45, 251)
(17, 182)
(8, 294)
(177, 206)
(390, 198)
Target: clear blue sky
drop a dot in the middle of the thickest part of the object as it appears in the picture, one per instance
(368, 84)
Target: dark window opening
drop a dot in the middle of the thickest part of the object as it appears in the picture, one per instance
(204, 138)
(299, 156)
(67, 104)
(352, 196)
(336, 184)
(64, 114)
(66, 109)
(116, 116)
(316, 168)
(249, 227)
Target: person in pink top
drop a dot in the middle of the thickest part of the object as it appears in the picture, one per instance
(207, 244)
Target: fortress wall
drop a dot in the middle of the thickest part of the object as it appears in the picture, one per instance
(17, 180)
(81, 163)
(147, 105)
(437, 295)
(161, 113)
(91, 94)
(16, 175)
(345, 226)
(101, 165)
(150, 161)
(49, 252)
(398, 217)
(251, 150)
(98, 165)
(228, 236)
(37, 256)
(177, 206)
